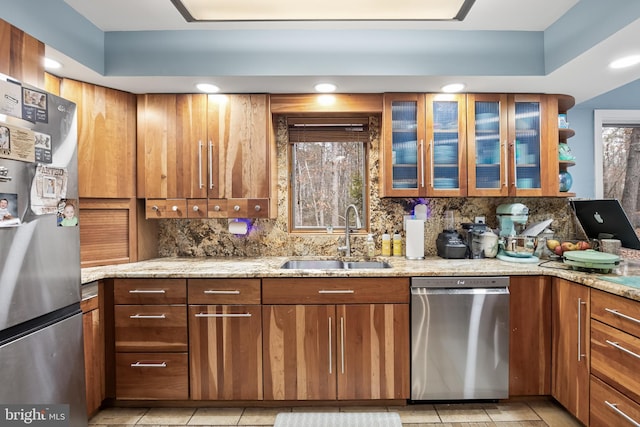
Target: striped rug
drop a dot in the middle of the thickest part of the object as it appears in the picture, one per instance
(338, 419)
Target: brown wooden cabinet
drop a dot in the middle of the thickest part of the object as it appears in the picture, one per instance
(94, 353)
(530, 338)
(106, 140)
(424, 145)
(21, 55)
(331, 339)
(615, 350)
(570, 347)
(150, 319)
(225, 339)
(196, 146)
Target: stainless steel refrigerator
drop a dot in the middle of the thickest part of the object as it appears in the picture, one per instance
(41, 347)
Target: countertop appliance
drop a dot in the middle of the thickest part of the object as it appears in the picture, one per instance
(459, 338)
(514, 246)
(471, 232)
(449, 244)
(41, 346)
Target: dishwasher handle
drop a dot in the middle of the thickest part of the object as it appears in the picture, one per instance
(459, 291)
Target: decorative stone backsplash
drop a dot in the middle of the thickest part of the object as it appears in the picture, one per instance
(270, 237)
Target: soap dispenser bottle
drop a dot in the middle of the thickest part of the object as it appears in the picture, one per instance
(386, 244)
(370, 246)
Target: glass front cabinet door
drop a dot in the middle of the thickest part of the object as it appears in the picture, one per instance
(424, 145)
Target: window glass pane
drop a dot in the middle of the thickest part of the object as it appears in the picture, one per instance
(326, 178)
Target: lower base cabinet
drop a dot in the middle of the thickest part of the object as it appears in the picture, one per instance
(148, 376)
(94, 357)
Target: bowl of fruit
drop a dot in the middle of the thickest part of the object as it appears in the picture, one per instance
(559, 247)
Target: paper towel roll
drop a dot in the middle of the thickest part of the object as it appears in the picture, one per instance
(415, 239)
(237, 227)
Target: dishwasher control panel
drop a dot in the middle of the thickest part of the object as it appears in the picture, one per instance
(460, 282)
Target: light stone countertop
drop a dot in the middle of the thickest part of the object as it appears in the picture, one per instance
(629, 270)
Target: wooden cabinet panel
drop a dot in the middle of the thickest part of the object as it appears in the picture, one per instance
(142, 328)
(225, 352)
(373, 351)
(530, 338)
(299, 352)
(94, 354)
(570, 347)
(150, 291)
(611, 408)
(158, 376)
(335, 290)
(106, 139)
(614, 310)
(615, 357)
(224, 291)
(21, 55)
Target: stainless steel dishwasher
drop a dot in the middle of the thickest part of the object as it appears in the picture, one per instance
(459, 338)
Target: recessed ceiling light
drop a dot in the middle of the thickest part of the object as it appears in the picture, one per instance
(51, 64)
(625, 62)
(453, 87)
(325, 87)
(207, 88)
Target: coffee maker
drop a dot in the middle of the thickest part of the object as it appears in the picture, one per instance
(515, 247)
(471, 232)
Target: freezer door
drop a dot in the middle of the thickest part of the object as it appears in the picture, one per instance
(47, 367)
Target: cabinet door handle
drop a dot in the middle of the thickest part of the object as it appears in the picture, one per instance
(506, 164)
(624, 316)
(200, 184)
(422, 163)
(430, 149)
(147, 291)
(515, 165)
(210, 151)
(149, 365)
(148, 316)
(614, 406)
(342, 344)
(336, 291)
(330, 349)
(221, 292)
(580, 354)
(223, 314)
(619, 347)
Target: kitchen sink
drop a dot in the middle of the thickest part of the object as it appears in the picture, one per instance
(332, 264)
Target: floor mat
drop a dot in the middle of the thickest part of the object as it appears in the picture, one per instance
(338, 419)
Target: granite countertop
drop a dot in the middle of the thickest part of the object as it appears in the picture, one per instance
(624, 281)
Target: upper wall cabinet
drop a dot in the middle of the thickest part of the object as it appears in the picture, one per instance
(106, 139)
(214, 147)
(21, 56)
(424, 152)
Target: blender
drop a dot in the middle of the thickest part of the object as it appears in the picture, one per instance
(515, 247)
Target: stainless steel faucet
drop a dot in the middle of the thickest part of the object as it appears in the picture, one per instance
(347, 229)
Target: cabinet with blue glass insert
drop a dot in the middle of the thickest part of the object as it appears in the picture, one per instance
(512, 145)
(424, 145)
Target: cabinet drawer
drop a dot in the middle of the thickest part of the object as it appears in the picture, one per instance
(335, 290)
(615, 357)
(151, 327)
(150, 291)
(224, 291)
(617, 311)
(166, 208)
(608, 407)
(197, 208)
(162, 376)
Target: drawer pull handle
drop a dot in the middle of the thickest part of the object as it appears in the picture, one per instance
(147, 291)
(223, 314)
(149, 365)
(336, 291)
(619, 347)
(614, 406)
(147, 316)
(617, 313)
(222, 292)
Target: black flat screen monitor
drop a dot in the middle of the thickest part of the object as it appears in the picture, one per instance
(602, 219)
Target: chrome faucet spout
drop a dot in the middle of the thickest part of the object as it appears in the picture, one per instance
(347, 229)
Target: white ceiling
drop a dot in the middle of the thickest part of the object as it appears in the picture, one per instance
(583, 77)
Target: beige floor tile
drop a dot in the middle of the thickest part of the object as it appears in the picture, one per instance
(315, 409)
(531, 423)
(416, 414)
(260, 416)
(462, 413)
(216, 417)
(363, 409)
(167, 416)
(118, 416)
(511, 412)
(553, 414)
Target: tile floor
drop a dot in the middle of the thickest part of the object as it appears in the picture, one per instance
(538, 413)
